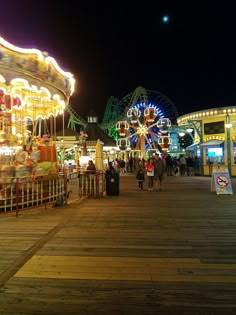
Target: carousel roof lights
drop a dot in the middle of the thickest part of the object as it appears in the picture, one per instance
(50, 115)
(56, 97)
(41, 55)
(41, 116)
(34, 64)
(2, 79)
(23, 81)
(45, 90)
(21, 50)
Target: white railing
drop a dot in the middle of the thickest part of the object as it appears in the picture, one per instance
(31, 191)
(91, 184)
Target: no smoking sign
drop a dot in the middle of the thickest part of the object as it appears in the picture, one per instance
(222, 180)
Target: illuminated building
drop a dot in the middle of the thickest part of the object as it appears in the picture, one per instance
(214, 137)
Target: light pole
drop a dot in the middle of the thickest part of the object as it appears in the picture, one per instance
(228, 126)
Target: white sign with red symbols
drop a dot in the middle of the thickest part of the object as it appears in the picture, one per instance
(220, 182)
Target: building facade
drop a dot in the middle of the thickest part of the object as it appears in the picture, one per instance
(214, 132)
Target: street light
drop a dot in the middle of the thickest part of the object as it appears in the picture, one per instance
(189, 129)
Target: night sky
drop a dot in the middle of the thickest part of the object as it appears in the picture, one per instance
(112, 48)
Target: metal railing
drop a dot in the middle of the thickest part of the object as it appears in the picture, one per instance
(18, 193)
(91, 184)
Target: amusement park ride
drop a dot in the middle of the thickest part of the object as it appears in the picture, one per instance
(34, 90)
(145, 122)
(140, 122)
(144, 130)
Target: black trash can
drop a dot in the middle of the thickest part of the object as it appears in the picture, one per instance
(112, 183)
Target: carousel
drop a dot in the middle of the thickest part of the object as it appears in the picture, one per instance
(34, 91)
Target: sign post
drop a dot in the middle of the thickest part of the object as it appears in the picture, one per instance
(221, 182)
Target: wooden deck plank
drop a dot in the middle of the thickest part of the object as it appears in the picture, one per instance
(163, 253)
(126, 268)
(121, 262)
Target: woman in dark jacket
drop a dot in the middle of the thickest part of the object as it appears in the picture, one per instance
(91, 168)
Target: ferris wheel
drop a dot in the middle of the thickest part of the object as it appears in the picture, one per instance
(144, 130)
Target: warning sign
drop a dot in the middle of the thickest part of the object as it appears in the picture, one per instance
(220, 182)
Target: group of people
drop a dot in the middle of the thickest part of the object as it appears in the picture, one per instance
(154, 169)
(184, 165)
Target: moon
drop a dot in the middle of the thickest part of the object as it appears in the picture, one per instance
(165, 19)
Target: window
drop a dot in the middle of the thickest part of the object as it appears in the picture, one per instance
(215, 155)
(215, 152)
(213, 128)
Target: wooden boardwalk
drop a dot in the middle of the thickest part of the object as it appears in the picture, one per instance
(169, 252)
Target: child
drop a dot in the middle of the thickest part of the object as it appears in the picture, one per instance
(140, 178)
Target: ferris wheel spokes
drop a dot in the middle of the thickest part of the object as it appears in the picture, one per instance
(149, 144)
(146, 127)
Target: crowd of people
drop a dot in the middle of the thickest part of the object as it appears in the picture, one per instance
(154, 169)
(157, 167)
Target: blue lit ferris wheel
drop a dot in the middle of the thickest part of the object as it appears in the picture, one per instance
(118, 115)
(148, 115)
(145, 129)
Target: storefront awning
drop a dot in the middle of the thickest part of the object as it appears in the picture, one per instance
(214, 142)
(192, 146)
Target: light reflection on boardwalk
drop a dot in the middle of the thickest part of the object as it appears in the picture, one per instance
(169, 252)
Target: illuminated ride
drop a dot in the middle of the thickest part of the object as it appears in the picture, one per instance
(116, 109)
(145, 128)
(34, 90)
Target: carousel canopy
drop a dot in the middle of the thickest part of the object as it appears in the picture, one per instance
(33, 82)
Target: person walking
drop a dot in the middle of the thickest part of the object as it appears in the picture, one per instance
(131, 164)
(122, 167)
(159, 171)
(182, 165)
(150, 173)
(140, 177)
(169, 165)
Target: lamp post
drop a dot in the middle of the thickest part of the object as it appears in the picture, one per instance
(228, 125)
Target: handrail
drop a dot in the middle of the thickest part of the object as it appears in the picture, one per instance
(17, 193)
